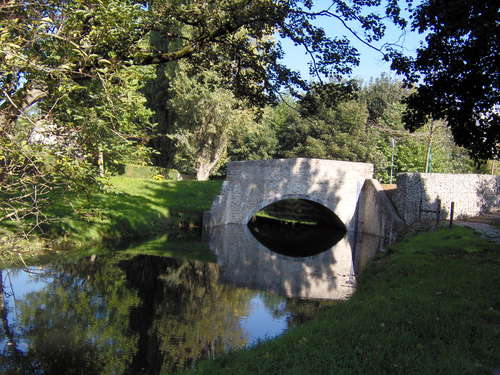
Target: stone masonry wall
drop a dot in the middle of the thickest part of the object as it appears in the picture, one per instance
(377, 216)
(473, 194)
(252, 185)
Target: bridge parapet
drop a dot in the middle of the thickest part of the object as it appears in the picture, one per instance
(296, 169)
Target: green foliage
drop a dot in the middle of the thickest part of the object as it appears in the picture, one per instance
(30, 174)
(343, 124)
(435, 293)
(456, 73)
(338, 131)
(107, 116)
(144, 171)
(252, 141)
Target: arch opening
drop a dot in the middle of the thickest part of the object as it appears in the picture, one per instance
(297, 227)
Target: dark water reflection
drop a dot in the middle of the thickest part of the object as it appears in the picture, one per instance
(330, 274)
(131, 314)
(293, 239)
(141, 314)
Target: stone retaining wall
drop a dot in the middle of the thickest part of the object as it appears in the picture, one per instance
(473, 194)
(377, 215)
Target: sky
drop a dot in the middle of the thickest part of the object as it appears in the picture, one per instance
(371, 65)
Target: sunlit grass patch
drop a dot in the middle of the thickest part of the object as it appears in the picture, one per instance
(128, 209)
(133, 208)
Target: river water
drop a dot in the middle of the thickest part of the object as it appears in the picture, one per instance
(132, 311)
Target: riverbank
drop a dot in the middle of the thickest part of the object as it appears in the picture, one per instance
(129, 209)
(430, 306)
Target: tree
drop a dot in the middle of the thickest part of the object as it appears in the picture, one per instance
(51, 40)
(343, 122)
(457, 72)
(330, 122)
(204, 118)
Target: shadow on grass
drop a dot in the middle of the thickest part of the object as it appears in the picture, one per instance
(131, 209)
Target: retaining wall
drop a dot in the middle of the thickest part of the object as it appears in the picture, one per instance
(473, 195)
(377, 216)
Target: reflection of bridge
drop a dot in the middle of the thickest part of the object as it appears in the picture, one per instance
(346, 188)
(332, 274)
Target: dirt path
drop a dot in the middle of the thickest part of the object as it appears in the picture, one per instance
(488, 225)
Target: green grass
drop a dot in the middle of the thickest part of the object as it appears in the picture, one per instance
(180, 195)
(432, 306)
(133, 208)
(129, 209)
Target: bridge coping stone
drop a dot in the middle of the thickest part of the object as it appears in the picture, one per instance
(296, 168)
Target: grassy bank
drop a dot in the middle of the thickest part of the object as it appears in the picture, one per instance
(133, 208)
(432, 306)
(128, 209)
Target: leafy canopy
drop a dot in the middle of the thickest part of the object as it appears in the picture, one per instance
(457, 72)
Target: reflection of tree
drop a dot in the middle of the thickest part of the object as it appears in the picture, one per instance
(10, 354)
(127, 315)
(296, 310)
(77, 324)
(275, 304)
(185, 315)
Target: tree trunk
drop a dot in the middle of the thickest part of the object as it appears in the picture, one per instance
(203, 172)
(15, 105)
(100, 161)
(209, 156)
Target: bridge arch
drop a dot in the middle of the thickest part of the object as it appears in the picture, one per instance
(252, 185)
(336, 221)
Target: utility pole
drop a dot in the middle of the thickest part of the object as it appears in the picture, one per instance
(428, 158)
(393, 144)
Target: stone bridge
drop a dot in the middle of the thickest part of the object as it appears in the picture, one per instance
(345, 188)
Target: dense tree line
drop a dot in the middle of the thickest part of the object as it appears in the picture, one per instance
(350, 121)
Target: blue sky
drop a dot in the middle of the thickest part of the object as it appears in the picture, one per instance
(371, 65)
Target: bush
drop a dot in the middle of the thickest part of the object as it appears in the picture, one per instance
(140, 171)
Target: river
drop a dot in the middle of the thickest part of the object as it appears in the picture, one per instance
(165, 304)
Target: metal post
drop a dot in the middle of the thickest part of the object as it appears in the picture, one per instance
(452, 211)
(420, 209)
(438, 211)
(428, 157)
